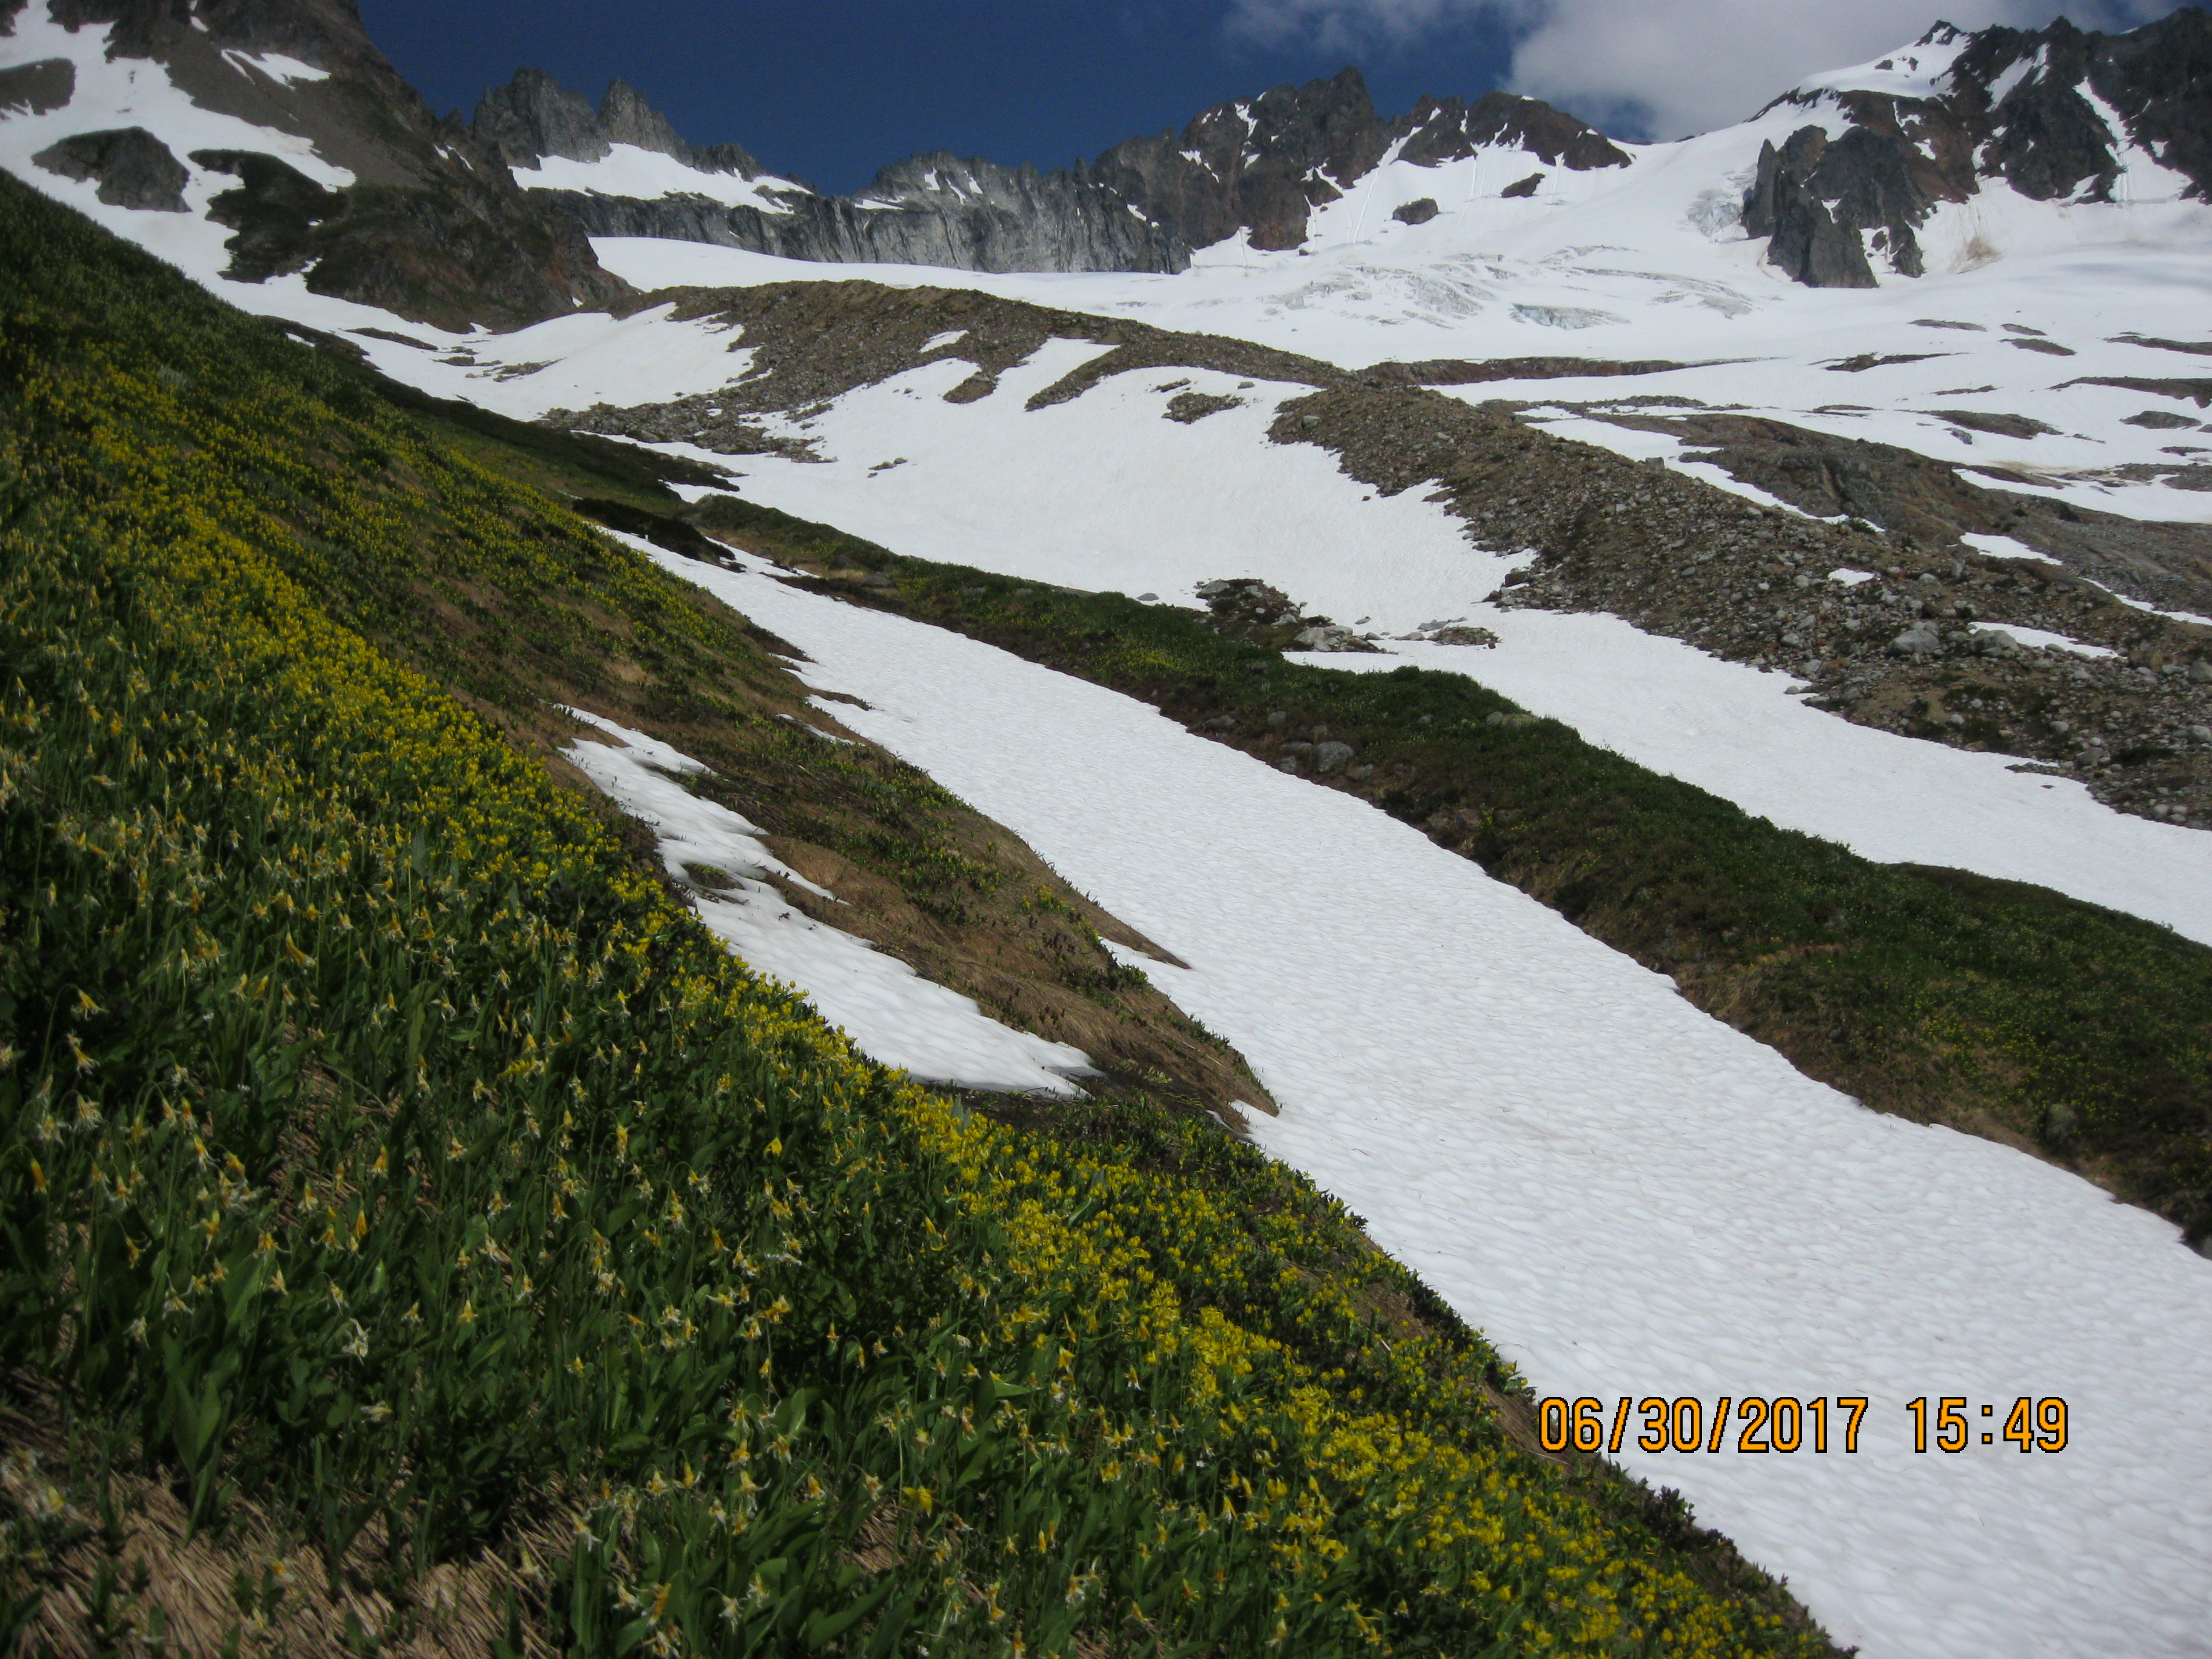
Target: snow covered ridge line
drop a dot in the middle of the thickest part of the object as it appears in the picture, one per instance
(1853, 168)
(1838, 189)
(234, 141)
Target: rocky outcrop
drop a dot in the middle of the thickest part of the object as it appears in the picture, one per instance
(1446, 129)
(2018, 107)
(34, 88)
(135, 168)
(533, 116)
(1813, 243)
(1261, 167)
(935, 209)
(433, 228)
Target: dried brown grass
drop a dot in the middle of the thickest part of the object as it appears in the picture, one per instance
(130, 1576)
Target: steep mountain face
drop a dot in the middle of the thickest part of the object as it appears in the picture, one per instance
(1263, 165)
(935, 209)
(1259, 166)
(411, 216)
(628, 173)
(2049, 113)
(533, 117)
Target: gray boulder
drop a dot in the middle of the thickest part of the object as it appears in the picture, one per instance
(1328, 756)
(1921, 639)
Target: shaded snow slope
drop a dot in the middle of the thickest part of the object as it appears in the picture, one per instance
(891, 1012)
(1627, 1196)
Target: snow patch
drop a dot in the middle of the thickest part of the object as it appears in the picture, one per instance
(649, 175)
(893, 1014)
(2043, 638)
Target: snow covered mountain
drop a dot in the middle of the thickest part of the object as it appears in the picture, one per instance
(273, 131)
(1847, 463)
(2048, 115)
(1847, 171)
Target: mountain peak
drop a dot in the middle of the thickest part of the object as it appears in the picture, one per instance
(534, 116)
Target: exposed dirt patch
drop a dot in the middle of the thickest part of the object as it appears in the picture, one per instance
(1455, 371)
(2002, 426)
(2193, 348)
(1189, 407)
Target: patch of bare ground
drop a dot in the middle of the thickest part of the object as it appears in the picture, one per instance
(814, 342)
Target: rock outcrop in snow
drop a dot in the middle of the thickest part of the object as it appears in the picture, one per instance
(410, 215)
(2049, 113)
(1261, 166)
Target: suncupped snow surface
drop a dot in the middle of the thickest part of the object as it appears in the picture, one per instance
(895, 1015)
(1630, 1197)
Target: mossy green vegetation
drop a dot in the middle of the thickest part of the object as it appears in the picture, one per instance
(387, 1156)
(1998, 1007)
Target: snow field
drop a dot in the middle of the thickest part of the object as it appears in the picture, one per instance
(647, 174)
(1102, 493)
(1630, 1197)
(894, 1016)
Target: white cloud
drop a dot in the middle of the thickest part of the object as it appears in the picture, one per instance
(1662, 67)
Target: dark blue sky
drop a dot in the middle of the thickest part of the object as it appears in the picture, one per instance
(829, 90)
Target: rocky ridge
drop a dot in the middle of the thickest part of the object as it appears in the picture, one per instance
(1911, 639)
(933, 210)
(2024, 107)
(440, 230)
(433, 229)
(1257, 166)
(1262, 165)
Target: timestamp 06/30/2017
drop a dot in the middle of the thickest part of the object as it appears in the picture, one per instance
(1768, 1424)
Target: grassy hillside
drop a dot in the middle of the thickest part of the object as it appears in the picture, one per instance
(1997, 1007)
(417, 1234)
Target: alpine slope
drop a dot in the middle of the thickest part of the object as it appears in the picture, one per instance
(1912, 267)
